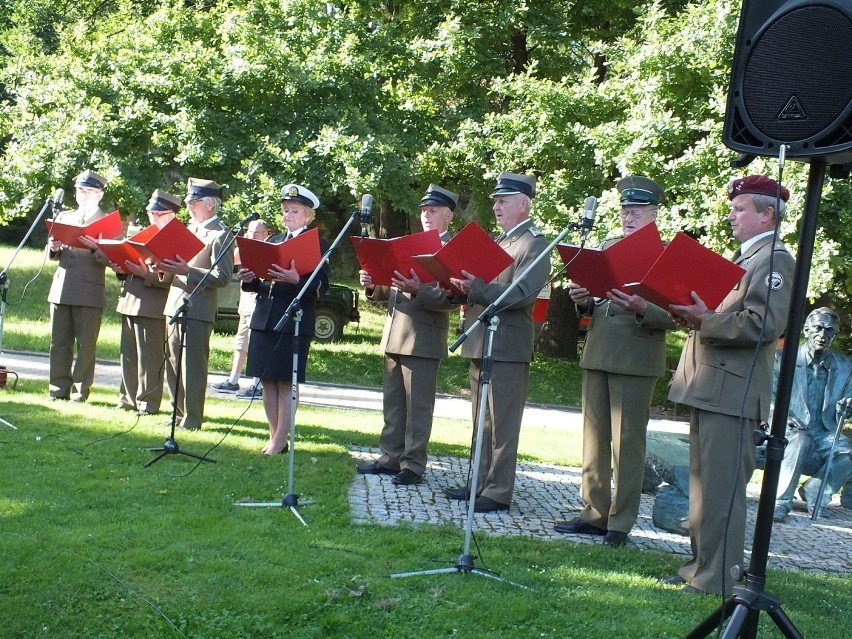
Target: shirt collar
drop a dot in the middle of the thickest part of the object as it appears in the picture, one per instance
(745, 246)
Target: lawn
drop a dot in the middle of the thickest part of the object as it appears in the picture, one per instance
(95, 545)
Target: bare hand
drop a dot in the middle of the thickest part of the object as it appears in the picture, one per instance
(54, 245)
(245, 275)
(139, 268)
(405, 284)
(691, 315)
(464, 283)
(287, 275)
(630, 303)
(579, 295)
(366, 279)
(88, 241)
(177, 266)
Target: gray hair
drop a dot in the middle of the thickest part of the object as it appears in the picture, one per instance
(763, 202)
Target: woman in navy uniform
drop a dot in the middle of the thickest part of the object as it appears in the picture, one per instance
(270, 352)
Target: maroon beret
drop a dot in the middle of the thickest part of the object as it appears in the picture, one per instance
(757, 184)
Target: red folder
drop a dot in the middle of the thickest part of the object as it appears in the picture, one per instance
(685, 266)
(158, 244)
(380, 258)
(119, 251)
(259, 256)
(471, 250)
(108, 226)
(601, 270)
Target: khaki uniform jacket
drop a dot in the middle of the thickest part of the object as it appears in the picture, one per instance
(416, 325)
(143, 296)
(215, 236)
(514, 337)
(79, 279)
(715, 362)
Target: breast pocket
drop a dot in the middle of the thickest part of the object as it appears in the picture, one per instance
(722, 384)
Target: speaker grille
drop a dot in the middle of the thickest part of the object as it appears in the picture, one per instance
(798, 80)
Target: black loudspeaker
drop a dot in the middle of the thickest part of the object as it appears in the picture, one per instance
(791, 80)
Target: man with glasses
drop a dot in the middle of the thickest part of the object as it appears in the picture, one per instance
(821, 394)
(624, 355)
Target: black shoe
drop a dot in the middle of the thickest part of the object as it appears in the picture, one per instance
(406, 477)
(374, 468)
(488, 505)
(459, 494)
(615, 538)
(578, 527)
(674, 580)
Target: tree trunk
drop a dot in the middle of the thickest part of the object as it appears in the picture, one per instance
(559, 335)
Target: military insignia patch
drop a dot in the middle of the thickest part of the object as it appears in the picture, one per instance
(774, 281)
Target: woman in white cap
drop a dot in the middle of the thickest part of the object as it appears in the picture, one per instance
(270, 353)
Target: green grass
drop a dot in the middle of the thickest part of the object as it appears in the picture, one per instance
(96, 546)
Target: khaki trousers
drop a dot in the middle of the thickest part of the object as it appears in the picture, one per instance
(70, 325)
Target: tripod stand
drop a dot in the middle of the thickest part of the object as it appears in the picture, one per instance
(465, 561)
(170, 446)
(291, 499)
(748, 601)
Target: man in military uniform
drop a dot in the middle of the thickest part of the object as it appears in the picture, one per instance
(77, 297)
(189, 392)
(143, 328)
(711, 379)
(821, 394)
(513, 342)
(624, 355)
(414, 342)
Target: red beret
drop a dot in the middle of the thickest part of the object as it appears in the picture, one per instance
(757, 184)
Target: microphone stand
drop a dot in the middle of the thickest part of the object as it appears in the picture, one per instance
(4, 283)
(291, 499)
(170, 447)
(489, 318)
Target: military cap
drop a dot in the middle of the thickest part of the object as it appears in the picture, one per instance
(197, 189)
(514, 184)
(162, 201)
(757, 185)
(296, 193)
(640, 191)
(436, 196)
(90, 179)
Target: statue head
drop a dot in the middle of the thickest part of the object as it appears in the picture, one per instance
(821, 327)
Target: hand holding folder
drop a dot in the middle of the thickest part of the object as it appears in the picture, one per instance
(381, 258)
(108, 227)
(167, 243)
(119, 252)
(258, 256)
(686, 266)
(471, 250)
(601, 270)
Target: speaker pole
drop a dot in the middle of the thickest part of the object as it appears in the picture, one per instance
(748, 601)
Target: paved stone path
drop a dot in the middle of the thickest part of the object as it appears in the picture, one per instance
(545, 494)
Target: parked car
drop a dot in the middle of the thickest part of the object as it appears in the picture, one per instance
(335, 309)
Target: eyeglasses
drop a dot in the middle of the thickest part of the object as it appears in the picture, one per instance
(636, 214)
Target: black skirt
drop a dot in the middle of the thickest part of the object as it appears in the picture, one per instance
(270, 355)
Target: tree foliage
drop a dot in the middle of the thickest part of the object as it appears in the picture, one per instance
(384, 98)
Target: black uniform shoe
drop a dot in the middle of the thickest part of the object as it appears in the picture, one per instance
(460, 494)
(374, 468)
(488, 505)
(674, 580)
(406, 477)
(578, 527)
(615, 538)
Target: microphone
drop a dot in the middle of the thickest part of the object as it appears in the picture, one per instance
(588, 219)
(58, 196)
(250, 218)
(366, 214)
